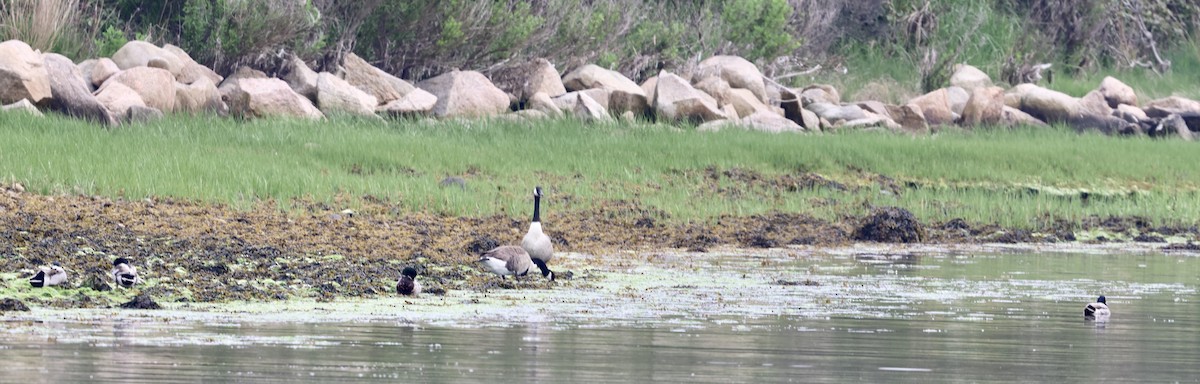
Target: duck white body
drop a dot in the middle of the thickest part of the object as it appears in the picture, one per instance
(1097, 311)
(124, 274)
(508, 260)
(48, 276)
(536, 242)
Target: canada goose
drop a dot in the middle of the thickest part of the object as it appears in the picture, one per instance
(507, 260)
(408, 284)
(536, 243)
(48, 276)
(124, 274)
(1097, 310)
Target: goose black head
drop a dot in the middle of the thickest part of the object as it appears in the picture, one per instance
(537, 191)
(1101, 300)
(410, 272)
(120, 260)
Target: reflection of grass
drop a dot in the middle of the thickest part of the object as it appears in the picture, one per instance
(1019, 177)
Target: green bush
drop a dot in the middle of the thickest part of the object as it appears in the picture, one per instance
(759, 26)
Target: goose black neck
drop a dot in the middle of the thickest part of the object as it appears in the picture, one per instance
(537, 209)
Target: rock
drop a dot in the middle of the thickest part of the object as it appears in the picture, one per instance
(22, 74)
(1132, 111)
(620, 102)
(793, 109)
(891, 225)
(809, 120)
(957, 96)
(593, 76)
(969, 78)
(1093, 103)
(675, 100)
(201, 96)
(302, 79)
(254, 98)
(22, 106)
(936, 107)
(649, 87)
(230, 83)
(541, 102)
(737, 72)
(139, 114)
(525, 115)
(99, 72)
(72, 95)
(588, 109)
(119, 98)
(417, 102)
(190, 71)
(12, 305)
(335, 96)
(1106, 124)
(374, 81)
(139, 53)
(1013, 96)
(1116, 93)
(1015, 117)
(1171, 105)
(870, 120)
(767, 121)
(465, 94)
(835, 113)
(715, 125)
(143, 300)
(909, 117)
(715, 87)
(746, 103)
(820, 93)
(1175, 124)
(985, 107)
(730, 112)
(156, 86)
(1049, 105)
(528, 78)
(599, 95)
(876, 107)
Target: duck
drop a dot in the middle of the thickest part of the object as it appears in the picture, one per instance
(125, 275)
(535, 242)
(507, 260)
(48, 276)
(1096, 311)
(408, 284)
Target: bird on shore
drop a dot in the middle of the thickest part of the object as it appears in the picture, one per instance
(507, 260)
(1096, 311)
(408, 284)
(536, 243)
(48, 276)
(124, 274)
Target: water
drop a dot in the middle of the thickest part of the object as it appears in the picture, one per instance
(881, 315)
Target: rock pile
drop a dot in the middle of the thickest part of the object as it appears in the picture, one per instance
(143, 82)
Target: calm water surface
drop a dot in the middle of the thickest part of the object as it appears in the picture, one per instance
(863, 317)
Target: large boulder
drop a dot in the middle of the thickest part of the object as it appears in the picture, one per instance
(1093, 103)
(1049, 105)
(524, 80)
(910, 117)
(985, 107)
(543, 103)
(582, 106)
(72, 96)
(649, 86)
(969, 78)
(820, 93)
(1015, 117)
(835, 113)
(118, 98)
(417, 102)
(1164, 107)
(190, 70)
(767, 121)
(936, 106)
(1117, 93)
(22, 74)
(373, 81)
(335, 96)
(301, 78)
(97, 71)
(230, 83)
(201, 96)
(593, 76)
(139, 53)
(156, 86)
(465, 94)
(254, 98)
(675, 99)
(738, 72)
(891, 225)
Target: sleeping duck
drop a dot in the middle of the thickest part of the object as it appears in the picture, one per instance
(1097, 310)
(408, 284)
(125, 275)
(48, 276)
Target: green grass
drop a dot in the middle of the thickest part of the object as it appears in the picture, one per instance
(982, 176)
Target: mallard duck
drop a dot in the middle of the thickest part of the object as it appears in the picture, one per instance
(408, 284)
(1097, 310)
(536, 243)
(125, 275)
(48, 276)
(507, 260)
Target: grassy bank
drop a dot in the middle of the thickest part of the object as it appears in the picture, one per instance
(1022, 178)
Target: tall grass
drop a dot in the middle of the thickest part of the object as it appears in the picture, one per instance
(50, 26)
(982, 177)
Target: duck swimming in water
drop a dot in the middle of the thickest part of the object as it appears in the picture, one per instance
(408, 284)
(48, 276)
(1096, 311)
(125, 275)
